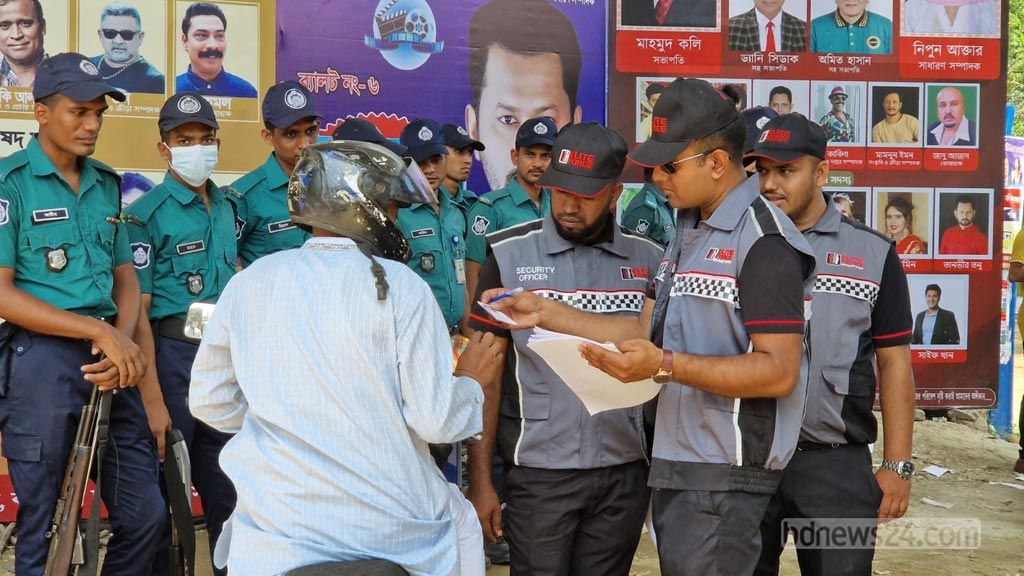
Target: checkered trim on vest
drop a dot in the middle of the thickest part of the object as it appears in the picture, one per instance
(853, 287)
(713, 286)
(599, 301)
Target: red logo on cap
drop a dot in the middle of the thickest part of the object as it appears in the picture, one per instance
(775, 135)
(659, 124)
(577, 159)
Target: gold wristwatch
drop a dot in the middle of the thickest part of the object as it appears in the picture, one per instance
(664, 374)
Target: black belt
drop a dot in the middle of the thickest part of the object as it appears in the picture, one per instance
(802, 446)
(174, 328)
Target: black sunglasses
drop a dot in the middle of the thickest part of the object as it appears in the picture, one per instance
(110, 34)
(670, 166)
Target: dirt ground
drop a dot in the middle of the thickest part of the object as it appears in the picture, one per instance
(975, 458)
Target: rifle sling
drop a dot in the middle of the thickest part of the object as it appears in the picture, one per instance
(92, 526)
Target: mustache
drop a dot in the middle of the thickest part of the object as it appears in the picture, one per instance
(212, 53)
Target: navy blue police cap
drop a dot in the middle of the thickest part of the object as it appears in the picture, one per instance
(185, 107)
(456, 137)
(536, 131)
(74, 76)
(359, 130)
(424, 138)
(288, 102)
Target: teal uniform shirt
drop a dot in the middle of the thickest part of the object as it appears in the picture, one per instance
(182, 253)
(871, 34)
(463, 198)
(648, 214)
(62, 246)
(438, 242)
(500, 209)
(262, 222)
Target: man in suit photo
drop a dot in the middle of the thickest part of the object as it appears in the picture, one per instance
(934, 325)
(952, 128)
(768, 28)
(676, 13)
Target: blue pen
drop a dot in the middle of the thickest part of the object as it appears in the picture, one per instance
(511, 292)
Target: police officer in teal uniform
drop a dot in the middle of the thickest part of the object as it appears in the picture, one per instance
(262, 225)
(68, 293)
(460, 164)
(520, 201)
(436, 233)
(648, 213)
(851, 29)
(183, 243)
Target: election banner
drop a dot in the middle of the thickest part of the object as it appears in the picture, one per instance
(487, 65)
(148, 50)
(912, 100)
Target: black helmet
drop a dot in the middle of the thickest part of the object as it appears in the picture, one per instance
(346, 187)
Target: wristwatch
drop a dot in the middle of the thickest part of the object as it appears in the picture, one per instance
(664, 374)
(905, 468)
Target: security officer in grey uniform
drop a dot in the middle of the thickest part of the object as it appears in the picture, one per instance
(436, 232)
(648, 213)
(576, 491)
(183, 243)
(725, 317)
(861, 317)
(68, 293)
(262, 225)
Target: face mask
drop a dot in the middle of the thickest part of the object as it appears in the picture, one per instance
(193, 163)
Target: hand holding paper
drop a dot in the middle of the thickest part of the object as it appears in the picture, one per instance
(519, 308)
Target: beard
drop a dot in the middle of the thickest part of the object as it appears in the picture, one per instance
(964, 222)
(584, 236)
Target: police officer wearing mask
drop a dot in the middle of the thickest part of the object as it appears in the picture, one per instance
(436, 232)
(183, 244)
(262, 225)
(68, 294)
(460, 163)
(520, 201)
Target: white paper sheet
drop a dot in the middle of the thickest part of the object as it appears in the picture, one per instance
(597, 390)
(497, 314)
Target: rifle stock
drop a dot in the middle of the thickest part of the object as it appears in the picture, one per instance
(65, 539)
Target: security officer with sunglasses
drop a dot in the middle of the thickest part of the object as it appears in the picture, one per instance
(183, 245)
(68, 293)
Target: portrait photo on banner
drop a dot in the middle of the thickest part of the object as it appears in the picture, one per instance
(218, 48)
(854, 203)
(951, 18)
(952, 115)
(749, 28)
(904, 215)
(851, 27)
(783, 96)
(648, 91)
(127, 41)
(841, 109)
(963, 223)
(940, 306)
(668, 14)
(38, 36)
(895, 117)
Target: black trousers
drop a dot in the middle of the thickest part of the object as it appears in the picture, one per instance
(708, 533)
(822, 482)
(575, 522)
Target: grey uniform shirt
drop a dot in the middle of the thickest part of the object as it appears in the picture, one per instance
(542, 423)
(861, 303)
(746, 269)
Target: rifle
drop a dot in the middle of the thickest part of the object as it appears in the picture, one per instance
(66, 549)
(178, 477)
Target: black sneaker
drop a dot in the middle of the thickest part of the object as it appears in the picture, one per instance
(497, 553)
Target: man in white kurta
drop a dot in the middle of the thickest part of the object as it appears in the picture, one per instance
(333, 396)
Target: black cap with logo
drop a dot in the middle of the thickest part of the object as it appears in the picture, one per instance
(456, 137)
(756, 119)
(74, 76)
(584, 159)
(689, 109)
(789, 138)
(185, 107)
(288, 102)
(423, 138)
(536, 131)
(359, 130)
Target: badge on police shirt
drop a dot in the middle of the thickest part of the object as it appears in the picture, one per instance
(642, 226)
(4, 214)
(57, 260)
(427, 262)
(195, 284)
(140, 254)
(480, 225)
(239, 227)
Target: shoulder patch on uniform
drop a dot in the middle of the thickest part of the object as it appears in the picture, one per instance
(642, 226)
(5, 216)
(764, 218)
(140, 254)
(480, 225)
